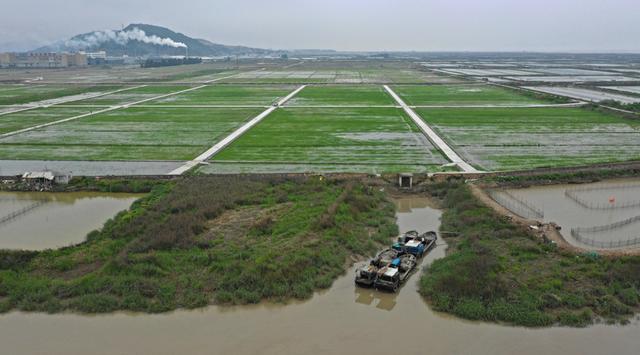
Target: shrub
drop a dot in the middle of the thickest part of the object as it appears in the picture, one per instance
(581, 319)
(95, 303)
(629, 296)
(470, 309)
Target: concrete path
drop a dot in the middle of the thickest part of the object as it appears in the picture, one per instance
(437, 141)
(233, 136)
(65, 99)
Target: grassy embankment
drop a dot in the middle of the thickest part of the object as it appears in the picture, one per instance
(496, 271)
(204, 240)
(96, 185)
(569, 177)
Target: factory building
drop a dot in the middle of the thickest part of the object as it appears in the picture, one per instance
(96, 58)
(43, 60)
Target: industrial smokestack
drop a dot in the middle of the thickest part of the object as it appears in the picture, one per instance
(97, 38)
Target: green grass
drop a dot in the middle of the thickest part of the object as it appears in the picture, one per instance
(25, 119)
(130, 134)
(130, 96)
(380, 139)
(342, 95)
(461, 95)
(526, 138)
(34, 93)
(195, 72)
(228, 95)
(634, 107)
(346, 73)
(275, 81)
(496, 271)
(203, 76)
(205, 240)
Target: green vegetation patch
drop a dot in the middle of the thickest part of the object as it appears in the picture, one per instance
(229, 95)
(452, 95)
(343, 73)
(226, 167)
(381, 139)
(496, 271)
(634, 107)
(130, 134)
(342, 95)
(527, 138)
(16, 121)
(33, 93)
(205, 240)
(195, 74)
(131, 96)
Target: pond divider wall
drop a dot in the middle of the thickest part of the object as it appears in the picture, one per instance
(578, 234)
(516, 204)
(573, 194)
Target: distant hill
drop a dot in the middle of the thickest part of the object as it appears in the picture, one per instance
(148, 40)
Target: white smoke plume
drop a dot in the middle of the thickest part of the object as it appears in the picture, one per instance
(121, 37)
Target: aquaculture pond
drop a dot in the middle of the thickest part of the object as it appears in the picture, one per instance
(600, 214)
(38, 220)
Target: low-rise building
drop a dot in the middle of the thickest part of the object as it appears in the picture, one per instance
(96, 58)
(42, 60)
(44, 180)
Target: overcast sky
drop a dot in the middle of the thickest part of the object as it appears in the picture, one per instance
(421, 25)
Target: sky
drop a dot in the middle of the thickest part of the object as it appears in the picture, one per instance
(352, 25)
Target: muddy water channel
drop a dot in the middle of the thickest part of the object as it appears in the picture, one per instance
(585, 206)
(38, 220)
(341, 320)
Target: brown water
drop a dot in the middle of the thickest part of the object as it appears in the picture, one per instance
(342, 320)
(568, 214)
(58, 219)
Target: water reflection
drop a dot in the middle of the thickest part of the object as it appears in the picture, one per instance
(558, 207)
(369, 296)
(40, 220)
(413, 213)
(407, 204)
